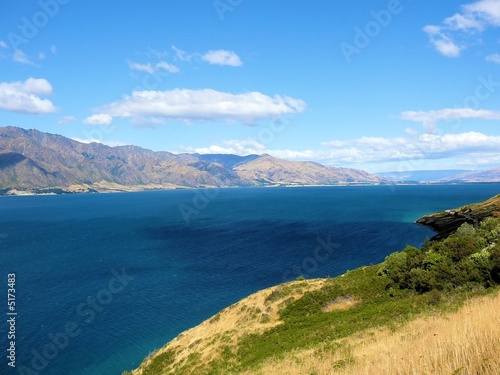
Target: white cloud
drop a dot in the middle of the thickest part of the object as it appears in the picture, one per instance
(151, 69)
(98, 119)
(168, 67)
(20, 57)
(441, 42)
(95, 140)
(182, 55)
(66, 119)
(25, 97)
(425, 151)
(234, 146)
(422, 147)
(202, 105)
(461, 30)
(147, 68)
(430, 118)
(447, 47)
(41, 56)
(495, 58)
(222, 57)
(3, 44)
(53, 49)
(485, 11)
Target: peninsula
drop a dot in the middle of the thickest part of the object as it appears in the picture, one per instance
(390, 318)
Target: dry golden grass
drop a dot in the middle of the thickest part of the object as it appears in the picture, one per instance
(466, 342)
(342, 303)
(254, 314)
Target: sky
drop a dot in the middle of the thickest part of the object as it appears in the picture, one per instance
(393, 85)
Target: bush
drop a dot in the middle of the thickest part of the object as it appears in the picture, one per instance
(495, 263)
(459, 247)
(468, 256)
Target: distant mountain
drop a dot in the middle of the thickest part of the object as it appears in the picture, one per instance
(227, 160)
(490, 175)
(34, 161)
(418, 176)
(269, 170)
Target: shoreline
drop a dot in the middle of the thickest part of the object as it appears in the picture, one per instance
(14, 192)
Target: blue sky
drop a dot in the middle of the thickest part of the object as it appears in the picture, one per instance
(376, 85)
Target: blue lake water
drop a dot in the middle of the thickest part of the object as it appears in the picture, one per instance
(104, 279)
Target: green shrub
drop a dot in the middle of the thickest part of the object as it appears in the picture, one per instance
(495, 263)
(469, 256)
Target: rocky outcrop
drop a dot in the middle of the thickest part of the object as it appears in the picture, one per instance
(447, 222)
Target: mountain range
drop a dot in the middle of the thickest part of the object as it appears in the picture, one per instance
(33, 161)
(445, 176)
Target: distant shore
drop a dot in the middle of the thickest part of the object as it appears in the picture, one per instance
(115, 188)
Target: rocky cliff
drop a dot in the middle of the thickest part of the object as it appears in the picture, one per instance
(446, 222)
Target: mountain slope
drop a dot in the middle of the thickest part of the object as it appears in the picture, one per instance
(269, 170)
(423, 175)
(32, 160)
(490, 175)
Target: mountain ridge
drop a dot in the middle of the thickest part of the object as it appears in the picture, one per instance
(33, 161)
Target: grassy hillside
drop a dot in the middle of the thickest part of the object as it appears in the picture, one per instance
(370, 320)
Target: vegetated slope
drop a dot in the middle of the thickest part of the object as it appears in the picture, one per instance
(329, 325)
(30, 160)
(461, 342)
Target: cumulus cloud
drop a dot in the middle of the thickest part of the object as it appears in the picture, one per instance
(415, 152)
(95, 140)
(424, 146)
(459, 31)
(425, 151)
(202, 105)
(430, 118)
(98, 119)
(233, 146)
(26, 97)
(222, 57)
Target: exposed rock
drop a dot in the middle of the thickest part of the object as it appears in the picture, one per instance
(447, 222)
